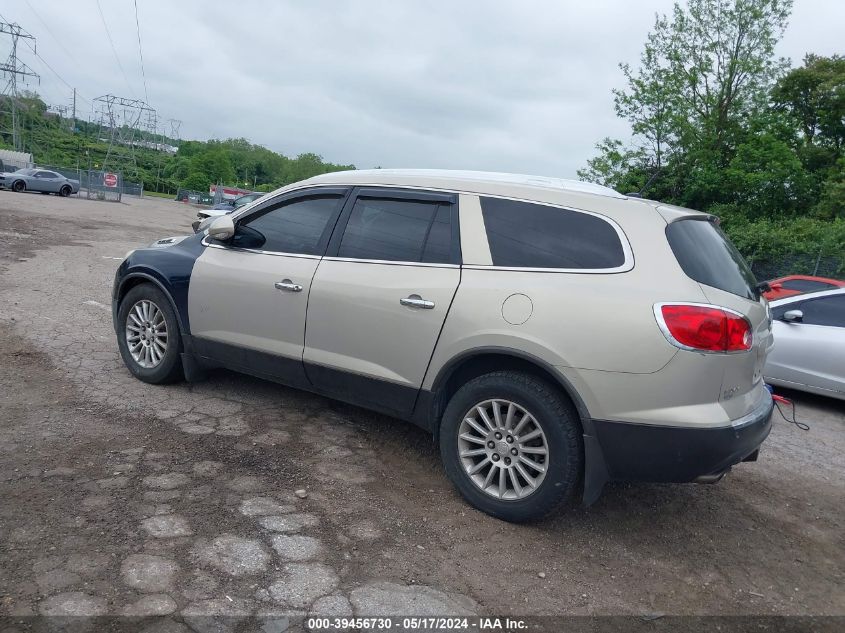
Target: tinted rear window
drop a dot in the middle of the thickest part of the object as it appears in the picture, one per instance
(707, 256)
(527, 235)
(806, 285)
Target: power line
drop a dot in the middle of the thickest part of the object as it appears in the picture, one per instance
(141, 52)
(57, 40)
(49, 67)
(113, 49)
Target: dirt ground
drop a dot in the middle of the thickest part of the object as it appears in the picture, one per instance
(118, 497)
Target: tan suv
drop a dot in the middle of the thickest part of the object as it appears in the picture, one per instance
(552, 335)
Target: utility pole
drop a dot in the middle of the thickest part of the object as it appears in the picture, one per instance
(74, 109)
(14, 68)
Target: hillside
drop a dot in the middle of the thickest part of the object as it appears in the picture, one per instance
(57, 142)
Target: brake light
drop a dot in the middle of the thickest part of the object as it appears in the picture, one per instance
(704, 328)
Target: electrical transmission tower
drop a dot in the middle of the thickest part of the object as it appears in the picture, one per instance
(14, 70)
(175, 125)
(129, 123)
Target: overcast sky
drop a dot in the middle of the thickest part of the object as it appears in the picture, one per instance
(507, 86)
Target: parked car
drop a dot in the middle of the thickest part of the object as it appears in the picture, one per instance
(552, 335)
(799, 284)
(228, 206)
(40, 180)
(809, 352)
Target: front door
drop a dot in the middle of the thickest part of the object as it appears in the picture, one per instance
(380, 297)
(248, 297)
(810, 351)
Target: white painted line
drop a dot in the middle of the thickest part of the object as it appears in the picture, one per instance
(120, 259)
(97, 304)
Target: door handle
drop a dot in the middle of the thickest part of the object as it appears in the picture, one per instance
(416, 301)
(287, 284)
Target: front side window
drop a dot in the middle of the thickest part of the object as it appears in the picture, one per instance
(824, 311)
(298, 226)
(529, 235)
(398, 230)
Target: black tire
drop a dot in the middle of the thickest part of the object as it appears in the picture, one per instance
(19, 186)
(169, 369)
(65, 191)
(559, 423)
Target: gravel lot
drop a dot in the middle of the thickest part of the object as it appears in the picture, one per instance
(118, 497)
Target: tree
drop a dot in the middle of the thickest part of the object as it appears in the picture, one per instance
(616, 166)
(703, 74)
(815, 96)
(647, 102)
(721, 59)
(196, 181)
(718, 124)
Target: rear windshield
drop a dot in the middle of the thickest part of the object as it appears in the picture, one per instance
(707, 255)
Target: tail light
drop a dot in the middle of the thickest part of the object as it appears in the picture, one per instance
(704, 328)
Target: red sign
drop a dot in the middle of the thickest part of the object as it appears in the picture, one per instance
(229, 193)
(110, 180)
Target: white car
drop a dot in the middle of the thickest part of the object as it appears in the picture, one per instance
(229, 206)
(809, 352)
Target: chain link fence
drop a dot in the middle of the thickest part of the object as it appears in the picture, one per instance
(93, 184)
(817, 265)
(194, 197)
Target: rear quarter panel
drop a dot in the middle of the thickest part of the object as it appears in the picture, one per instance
(594, 321)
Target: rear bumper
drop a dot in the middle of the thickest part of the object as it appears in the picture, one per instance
(642, 452)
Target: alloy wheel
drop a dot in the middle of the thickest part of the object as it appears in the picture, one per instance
(146, 333)
(503, 449)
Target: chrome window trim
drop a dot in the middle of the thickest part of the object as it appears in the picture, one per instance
(569, 271)
(627, 264)
(391, 262)
(256, 251)
(661, 323)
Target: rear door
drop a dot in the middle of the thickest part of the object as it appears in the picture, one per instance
(380, 297)
(247, 297)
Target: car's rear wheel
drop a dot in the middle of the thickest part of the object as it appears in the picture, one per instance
(148, 335)
(19, 186)
(65, 191)
(512, 445)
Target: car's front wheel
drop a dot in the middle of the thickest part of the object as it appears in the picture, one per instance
(148, 335)
(65, 191)
(19, 186)
(512, 445)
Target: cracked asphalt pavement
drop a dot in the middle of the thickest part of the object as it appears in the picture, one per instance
(213, 502)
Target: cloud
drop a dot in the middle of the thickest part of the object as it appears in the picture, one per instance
(476, 85)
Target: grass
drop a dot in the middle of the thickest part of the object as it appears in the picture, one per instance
(170, 196)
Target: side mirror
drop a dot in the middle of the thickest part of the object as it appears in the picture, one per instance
(222, 228)
(793, 316)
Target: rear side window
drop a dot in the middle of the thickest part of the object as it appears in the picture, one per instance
(707, 256)
(528, 235)
(398, 230)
